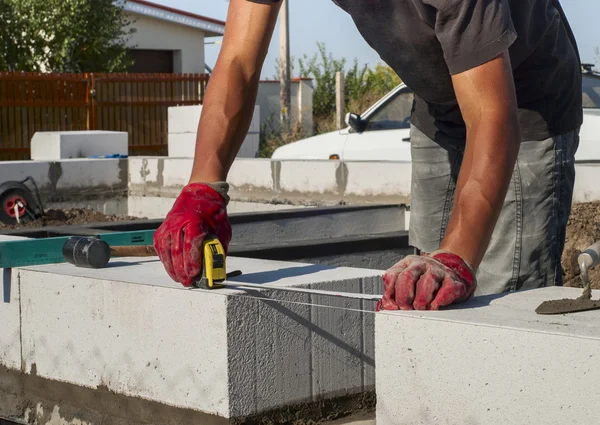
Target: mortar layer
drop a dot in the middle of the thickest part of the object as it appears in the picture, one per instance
(59, 403)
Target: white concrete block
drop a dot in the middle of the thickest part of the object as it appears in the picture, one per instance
(182, 145)
(155, 207)
(183, 130)
(18, 170)
(70, 173)
(10, 328)
(151, 207)
(132, 329)
(379, 179)
(184, 119)
(309, 176)
(491, 361)
(245, 207)
(251, 175)
(91, 173)
(77, 144)
(159, 173)
(176, 171)
(143, 170)
(586, 189)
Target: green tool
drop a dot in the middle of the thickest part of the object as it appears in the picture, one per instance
(35, 252)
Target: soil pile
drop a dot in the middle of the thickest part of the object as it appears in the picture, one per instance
(582, 231)
(67, 217)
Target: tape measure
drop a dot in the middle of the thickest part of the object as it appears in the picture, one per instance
(37, 252)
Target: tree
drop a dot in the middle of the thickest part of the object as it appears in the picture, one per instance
(362, 84)
(63, 36)
(322, 67)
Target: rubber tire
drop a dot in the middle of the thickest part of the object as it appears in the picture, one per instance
(4, 196)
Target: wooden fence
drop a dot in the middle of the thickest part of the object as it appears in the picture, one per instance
(135, 103)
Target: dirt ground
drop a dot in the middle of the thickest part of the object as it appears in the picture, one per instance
(72, 216)
(582, 231)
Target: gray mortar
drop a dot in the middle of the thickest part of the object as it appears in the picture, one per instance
(124, 173)
(21, 393)
(160, 179)
(276, 175)
(341, 177)
(54, 174)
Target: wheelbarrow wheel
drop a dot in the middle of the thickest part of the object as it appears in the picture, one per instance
(13, 204)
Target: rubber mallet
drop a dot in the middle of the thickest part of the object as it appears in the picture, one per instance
(95, 253)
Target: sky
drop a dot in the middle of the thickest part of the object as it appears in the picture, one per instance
(313, 21)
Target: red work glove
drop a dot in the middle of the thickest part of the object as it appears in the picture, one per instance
(198, 211)
(427, 282)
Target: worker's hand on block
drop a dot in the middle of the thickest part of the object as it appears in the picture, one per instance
(427, 282)
(198, 211)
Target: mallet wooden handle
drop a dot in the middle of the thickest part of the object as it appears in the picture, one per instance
(132, 251)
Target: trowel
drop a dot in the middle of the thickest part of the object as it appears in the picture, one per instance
(586, 261)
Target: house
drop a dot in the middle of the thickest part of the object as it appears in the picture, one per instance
(168, 40)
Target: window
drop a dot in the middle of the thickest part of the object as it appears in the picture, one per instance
(395, 114)
(591, 91)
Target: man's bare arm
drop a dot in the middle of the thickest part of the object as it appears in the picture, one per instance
(487, 100)
(231, 92)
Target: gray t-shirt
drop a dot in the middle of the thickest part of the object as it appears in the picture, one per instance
(427, 41)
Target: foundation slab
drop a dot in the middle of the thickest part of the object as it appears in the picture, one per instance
(495, 362)
(130, 330)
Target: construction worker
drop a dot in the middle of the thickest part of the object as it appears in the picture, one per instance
(494, 131)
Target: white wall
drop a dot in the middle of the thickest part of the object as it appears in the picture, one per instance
(302, 99)
(155, 34)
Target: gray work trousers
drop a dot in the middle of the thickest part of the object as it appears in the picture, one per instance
(528, 240)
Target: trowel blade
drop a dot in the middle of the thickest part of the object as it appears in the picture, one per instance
(567, 306)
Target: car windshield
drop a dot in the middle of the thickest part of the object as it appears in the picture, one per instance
(395, 114)
(591, 90)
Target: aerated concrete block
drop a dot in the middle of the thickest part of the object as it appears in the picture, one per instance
(10, 344)
(10, 330)
(491, 361)
(130, 329)
(46, 146)
(183, 130)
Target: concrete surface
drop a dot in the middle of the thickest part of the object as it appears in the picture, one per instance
(322, 183)
(75, 181)
(148, 186)
(57, 145)
(586, 189)
(10, 345)
(10, 351)
(158, 207)
(131, 330)
(495, 362)
(183, 130)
